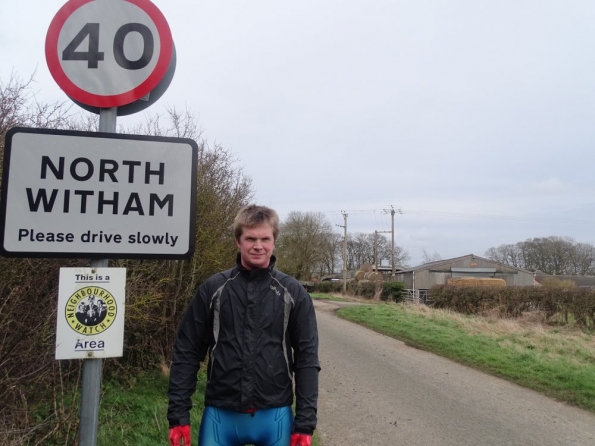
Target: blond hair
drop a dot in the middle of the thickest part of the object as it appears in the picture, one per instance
(254, 215)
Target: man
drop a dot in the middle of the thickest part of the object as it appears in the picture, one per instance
(258, 327)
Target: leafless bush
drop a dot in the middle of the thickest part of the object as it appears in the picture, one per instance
(33, 396)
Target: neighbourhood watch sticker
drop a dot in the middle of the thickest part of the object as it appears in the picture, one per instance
(91, 310)
(90, 319)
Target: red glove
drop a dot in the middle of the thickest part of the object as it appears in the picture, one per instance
(300, 440)
(178, 433)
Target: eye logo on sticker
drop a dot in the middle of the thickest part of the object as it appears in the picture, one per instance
(91, 310)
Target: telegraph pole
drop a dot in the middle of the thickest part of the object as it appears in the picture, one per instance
(392, 215)
(376, 251)
(344, 252)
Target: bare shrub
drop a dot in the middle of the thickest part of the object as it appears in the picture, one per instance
(533, 317)
(33, 399)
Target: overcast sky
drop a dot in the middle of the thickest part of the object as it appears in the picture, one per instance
(474, 120)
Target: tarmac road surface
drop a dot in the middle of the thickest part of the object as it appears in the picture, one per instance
(376, 391)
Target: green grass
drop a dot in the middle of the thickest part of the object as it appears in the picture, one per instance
(324, 296)
(558, 364)
(135, 414)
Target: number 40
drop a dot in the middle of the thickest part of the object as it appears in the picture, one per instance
(93, 55)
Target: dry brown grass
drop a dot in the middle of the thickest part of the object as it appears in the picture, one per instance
(164, 368)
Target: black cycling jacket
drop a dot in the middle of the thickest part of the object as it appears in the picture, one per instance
(259, 328)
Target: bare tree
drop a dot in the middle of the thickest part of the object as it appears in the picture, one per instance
(360, 250)
(582, 259)
(19, 107)
(304, 238)
(509, 254)
(174, 123)
(332, 254)
(551, 255)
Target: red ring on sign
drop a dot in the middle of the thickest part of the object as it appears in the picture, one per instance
(108, 101)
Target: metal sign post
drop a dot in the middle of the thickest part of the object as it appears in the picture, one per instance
(91, 388)
(91, 381)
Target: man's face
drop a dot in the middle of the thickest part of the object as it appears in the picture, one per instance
(256, 246)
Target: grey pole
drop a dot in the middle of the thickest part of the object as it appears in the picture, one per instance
(376, 251)
(392, 215)
(344, 252)
(107, 119)
(91, 380)
(345, 255)
(90, 391)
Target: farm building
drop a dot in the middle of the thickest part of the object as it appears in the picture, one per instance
(424, 277)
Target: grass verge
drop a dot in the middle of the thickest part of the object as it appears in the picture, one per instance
(557, 362)
(135, 413)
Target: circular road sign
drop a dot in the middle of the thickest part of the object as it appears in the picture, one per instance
(108, 53)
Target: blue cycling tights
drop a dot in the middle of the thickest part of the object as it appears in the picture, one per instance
(224, 427)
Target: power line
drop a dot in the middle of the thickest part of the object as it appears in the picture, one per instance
(476, 215)
(498, 216)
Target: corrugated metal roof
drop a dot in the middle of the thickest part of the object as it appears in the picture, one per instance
(442, 263)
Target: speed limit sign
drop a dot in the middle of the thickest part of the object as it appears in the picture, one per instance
(108, 53)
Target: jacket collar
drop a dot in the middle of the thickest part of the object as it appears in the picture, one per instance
(255, 272)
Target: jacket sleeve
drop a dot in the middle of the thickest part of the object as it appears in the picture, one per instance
(190, 348)
(304, 342)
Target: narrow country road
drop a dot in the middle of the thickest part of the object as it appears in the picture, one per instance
(376, 391)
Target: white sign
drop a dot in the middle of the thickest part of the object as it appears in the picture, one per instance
(90, 313)
(108, 53)
(97, 195)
